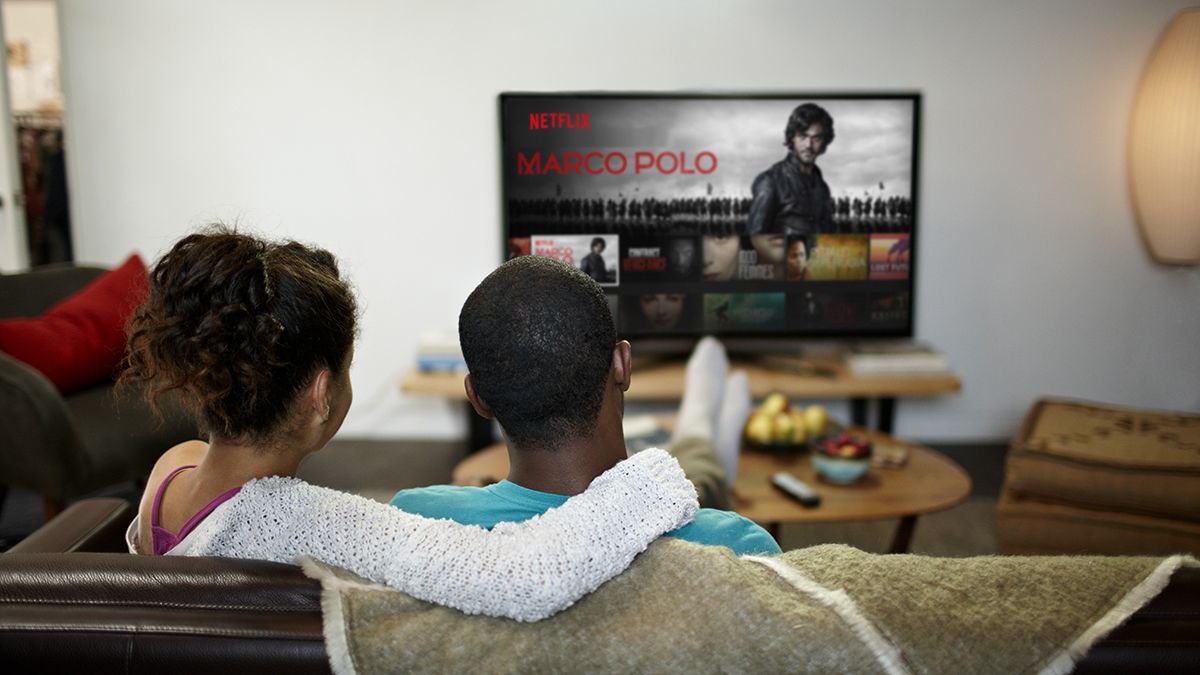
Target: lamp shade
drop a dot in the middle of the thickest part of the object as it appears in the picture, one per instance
(1164, 145)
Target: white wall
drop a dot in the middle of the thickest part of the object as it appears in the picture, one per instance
(370, 127)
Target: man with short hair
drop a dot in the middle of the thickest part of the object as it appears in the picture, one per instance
(593, 263)
(792, 197)
(545, 361)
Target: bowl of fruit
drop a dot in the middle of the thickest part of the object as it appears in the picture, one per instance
(842, 458)
(779, 426)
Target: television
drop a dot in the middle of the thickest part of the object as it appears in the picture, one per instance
(738, 215)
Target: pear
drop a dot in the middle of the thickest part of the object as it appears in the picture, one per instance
(774, 404)
(782, 428)
(758, 428)
(799, 427)
(816, 420)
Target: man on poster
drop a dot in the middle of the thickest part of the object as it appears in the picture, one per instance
(593, 263)
(792, 197)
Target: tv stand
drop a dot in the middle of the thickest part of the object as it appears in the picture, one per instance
(812, 376)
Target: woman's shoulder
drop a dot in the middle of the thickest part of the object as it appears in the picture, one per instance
(187, 452)
(184, 454)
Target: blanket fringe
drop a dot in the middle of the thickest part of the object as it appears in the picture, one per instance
(333, 620)
(1135, 599)
(886, 654)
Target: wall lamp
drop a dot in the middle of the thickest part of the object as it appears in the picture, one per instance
(1164, 145)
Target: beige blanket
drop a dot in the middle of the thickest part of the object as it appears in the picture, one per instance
(827, 609)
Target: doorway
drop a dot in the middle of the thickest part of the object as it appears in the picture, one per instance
(38, 185)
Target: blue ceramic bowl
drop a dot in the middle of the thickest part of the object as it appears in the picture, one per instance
(842, 470)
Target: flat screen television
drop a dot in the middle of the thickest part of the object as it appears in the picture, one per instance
(769, 216)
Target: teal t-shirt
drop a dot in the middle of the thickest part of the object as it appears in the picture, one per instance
(508, 502)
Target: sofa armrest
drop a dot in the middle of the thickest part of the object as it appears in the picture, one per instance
(38, 434)
(89, 525)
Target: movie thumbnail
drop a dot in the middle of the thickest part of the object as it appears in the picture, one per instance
(762, 259)
(838, 257)
(795, 260)
(743, 311)
(754, 258)
(660, 313)
(890, 255)
(517, 247)
(597, 255)
(892, 309)
(819, 311)
(721, 257)
(659, 258)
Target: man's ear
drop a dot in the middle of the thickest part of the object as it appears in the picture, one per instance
(477, 403)
(317, 394)
(622, 371)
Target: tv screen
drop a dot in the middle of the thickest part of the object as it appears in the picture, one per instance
(737, 215)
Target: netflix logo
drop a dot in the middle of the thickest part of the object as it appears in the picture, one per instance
(559, 120)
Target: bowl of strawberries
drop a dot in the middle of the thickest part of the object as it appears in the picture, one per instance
(842, 458)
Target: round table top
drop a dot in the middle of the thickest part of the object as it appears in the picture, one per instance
(928, 482)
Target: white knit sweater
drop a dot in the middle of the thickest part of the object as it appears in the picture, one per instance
(526, 571)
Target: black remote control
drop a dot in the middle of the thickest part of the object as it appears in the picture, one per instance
(796, 488)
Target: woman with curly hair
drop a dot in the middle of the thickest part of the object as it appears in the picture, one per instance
(256, 338)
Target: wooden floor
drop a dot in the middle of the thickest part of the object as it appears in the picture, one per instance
(378, 468)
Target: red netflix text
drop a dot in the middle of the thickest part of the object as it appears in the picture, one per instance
(559, 120)
(596, 163)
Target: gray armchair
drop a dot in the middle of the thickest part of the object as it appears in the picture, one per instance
(63, 447)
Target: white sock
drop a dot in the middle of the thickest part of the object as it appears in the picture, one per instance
(735, 409)
(702, 391)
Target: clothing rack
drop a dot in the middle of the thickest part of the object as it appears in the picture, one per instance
(39, 119)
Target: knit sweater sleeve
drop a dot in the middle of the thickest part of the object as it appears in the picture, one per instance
(525, 571)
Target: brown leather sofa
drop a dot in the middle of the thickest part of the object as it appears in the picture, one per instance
(71, 601)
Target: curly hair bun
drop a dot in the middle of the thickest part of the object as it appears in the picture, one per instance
(239, 325)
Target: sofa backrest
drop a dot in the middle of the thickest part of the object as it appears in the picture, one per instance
(115, 612)
(32, 293)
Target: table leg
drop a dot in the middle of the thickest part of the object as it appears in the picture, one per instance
(773, 530)
(479, 431)
(887, 414)
(858, 412)
(903, 536)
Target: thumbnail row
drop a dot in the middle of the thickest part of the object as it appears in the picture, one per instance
(809, 311)
(611, 259)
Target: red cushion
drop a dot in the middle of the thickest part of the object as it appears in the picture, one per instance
(81, 340)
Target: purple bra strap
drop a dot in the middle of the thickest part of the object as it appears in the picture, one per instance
(158, 494)
(208, 508)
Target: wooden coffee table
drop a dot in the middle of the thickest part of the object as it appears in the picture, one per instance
(928, 482)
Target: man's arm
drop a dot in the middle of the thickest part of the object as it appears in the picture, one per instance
(763, 204)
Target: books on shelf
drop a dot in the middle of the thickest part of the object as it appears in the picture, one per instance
(896, 358)
(440, 354)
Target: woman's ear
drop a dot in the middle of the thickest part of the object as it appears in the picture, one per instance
(318, 393)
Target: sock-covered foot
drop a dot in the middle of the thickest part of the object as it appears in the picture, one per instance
(705, 385)
(735, 409)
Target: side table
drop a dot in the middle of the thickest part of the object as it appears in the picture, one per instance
(928, 482)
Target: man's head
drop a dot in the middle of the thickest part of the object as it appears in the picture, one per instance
(598, 245)
(539, 340)
(809, 132)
